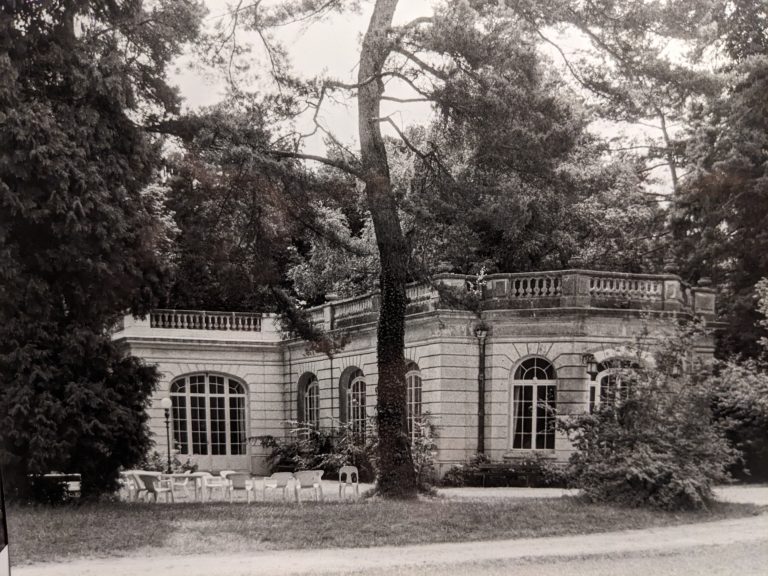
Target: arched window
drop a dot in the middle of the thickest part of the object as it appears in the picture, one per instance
(312, 404)
(352, 400)
(356, 415)
(208, 415)
(309, 400)
(612, 382)
(534, 399)
(413, 399)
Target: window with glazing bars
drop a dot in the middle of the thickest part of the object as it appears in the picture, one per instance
(208, 415)
(413, 400)
(534, 400)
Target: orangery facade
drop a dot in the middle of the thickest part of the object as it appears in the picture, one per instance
(550, 339)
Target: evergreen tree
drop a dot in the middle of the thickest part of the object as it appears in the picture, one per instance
(81, 234)
(721, 216)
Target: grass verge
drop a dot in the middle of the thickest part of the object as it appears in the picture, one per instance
(118, 529)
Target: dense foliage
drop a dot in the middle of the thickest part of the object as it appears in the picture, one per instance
(81, 234)
(741, 403)
(654, 441)
(741, 406)
(309, 448)
(721, 213)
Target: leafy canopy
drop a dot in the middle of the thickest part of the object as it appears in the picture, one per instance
(81, 239)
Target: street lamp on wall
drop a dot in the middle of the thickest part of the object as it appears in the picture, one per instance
(166, 405)
(481, 332)
(591, 364)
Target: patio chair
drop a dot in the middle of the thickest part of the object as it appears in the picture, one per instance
(239, 481)
(128, 489)
(156, 485)
(350, 477)
(211, 483)
(139, 489)
(226, 474)
(309, 480)
(278, 480)
(182, 484)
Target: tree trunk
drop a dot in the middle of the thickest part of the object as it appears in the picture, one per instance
(397, 478)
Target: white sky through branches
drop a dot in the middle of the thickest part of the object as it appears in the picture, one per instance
(331, 48)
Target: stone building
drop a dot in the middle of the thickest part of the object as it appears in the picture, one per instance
(234, 376)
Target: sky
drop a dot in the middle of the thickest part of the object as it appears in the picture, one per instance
(330, 48)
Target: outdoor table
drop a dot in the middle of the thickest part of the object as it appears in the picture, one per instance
(196, 478)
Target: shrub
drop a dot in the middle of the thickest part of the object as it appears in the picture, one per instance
(656, 444)
(46, 490)
(454, 476)
(153, 462)
(536, 470)
(741, 406)
(309, 448)
(423, 450)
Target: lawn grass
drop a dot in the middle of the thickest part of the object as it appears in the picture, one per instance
(117, 529)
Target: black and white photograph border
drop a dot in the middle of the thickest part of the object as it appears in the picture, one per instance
(383, 287)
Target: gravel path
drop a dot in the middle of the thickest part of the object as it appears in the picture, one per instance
(609, 550)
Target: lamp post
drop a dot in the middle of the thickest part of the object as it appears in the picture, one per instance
(591, 364)
(166, 405)
(481, 331)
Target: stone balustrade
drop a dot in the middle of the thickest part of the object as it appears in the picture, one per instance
(535, 290)
(203, 320)
(199, 325)
(556, 289)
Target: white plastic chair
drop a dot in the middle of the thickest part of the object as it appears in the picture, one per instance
(239, 481)
(182, 483)
(155, 485)
(279, 480)
(211, 483)
(140, 490)
(350, 477)
(128, 488)
(309, 480)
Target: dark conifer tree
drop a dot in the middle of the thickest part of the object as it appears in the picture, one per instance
(81, 236)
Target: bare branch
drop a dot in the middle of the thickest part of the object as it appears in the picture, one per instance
(405, 100)
(415, 22)
(575, 73)
(637, 147)
(410, 83)
(428, 158)
(650, 168)
(308, 16)
(276, 72)
(339, 164)
(401, 31)
(234, 12)
(420, 63)
(403, 137)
